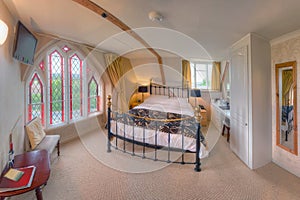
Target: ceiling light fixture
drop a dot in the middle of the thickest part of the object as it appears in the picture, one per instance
(155, 16)
(3, 32)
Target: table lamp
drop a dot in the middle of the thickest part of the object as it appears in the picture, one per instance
(143, 89)
(195, 93)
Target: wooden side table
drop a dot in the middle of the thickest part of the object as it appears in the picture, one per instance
(40, 159)
(204, 117)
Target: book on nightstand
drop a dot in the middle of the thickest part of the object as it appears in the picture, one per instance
(17, 178)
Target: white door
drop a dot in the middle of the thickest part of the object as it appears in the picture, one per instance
(239, 138)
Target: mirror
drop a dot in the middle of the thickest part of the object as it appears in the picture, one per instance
(286, 106)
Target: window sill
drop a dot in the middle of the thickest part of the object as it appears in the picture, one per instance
(94, 114)
(64, 125)
(209, 90)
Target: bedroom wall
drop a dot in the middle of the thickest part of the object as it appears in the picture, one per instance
(283, 49)
(11, 92)
(147, 68)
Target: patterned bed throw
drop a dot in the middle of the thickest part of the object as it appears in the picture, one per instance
(163, 121)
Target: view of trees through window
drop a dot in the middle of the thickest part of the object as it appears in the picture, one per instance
(93, 98)
(64, 98)
(75, 87)
(56, 82)
(36, 103)
(201, 74)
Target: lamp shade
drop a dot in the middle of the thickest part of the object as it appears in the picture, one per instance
(143, 89)
(195, 93)
(3, 32)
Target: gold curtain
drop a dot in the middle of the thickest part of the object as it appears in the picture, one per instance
(287, 81)
(117, 67)
(186, 74)
(215, 76)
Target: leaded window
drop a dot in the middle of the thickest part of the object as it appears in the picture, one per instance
(72, 88)
(56, 83)
(36, 99)
(42, 65)
(93, 96)
(75, 73)
(66, 48)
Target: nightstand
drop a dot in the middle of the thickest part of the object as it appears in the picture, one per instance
(204, 117)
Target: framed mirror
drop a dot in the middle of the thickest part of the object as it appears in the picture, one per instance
(286, 106)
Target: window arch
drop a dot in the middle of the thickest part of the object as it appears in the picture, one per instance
(93, 96)
(36, 98)
(56, 88)
(70, 89)
(75, 74)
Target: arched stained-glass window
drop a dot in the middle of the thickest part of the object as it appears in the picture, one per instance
(42, 65)
(66, 48)
(75, 73)
(56, 84)
(36, 98)
(93, 96)
(72, 91)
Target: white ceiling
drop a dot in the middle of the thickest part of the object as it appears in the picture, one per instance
(194, 29)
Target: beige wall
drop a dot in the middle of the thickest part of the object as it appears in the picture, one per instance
(11, 92)
(148, 68)
(285, 49)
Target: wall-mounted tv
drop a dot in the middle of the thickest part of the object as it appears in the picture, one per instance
(25, 45)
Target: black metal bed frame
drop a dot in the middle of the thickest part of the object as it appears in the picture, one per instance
(156, 90)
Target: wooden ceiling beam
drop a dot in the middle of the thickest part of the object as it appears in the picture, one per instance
(116, 21)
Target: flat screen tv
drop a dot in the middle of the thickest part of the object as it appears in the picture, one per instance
(25, 45)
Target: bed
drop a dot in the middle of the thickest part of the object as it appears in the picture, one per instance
(164, 121)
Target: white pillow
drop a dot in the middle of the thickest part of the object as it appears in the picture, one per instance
(35, 132)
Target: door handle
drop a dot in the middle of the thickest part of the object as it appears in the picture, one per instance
(246, 124)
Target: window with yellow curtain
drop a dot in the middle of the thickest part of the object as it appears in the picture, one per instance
(186, 74)
(201, 73)
(215, 76)
(117, 67)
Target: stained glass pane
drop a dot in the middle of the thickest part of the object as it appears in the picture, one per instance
(75, 87)
(42, 65)
(36, 104)
(93, 95)
(56, 88)
(66, 48)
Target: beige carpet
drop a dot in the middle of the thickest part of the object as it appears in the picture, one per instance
(76, 174)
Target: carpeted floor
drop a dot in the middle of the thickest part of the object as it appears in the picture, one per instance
(78, 174)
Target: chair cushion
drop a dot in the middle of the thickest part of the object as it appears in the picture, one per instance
(49, 143)
(35, 132)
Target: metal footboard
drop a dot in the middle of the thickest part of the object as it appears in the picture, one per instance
(132, 151)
